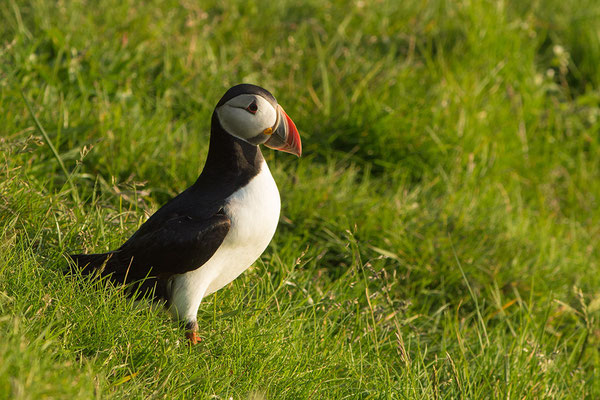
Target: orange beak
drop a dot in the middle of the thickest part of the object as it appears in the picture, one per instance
(285, 137)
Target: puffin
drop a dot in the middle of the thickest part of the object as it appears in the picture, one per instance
(206, 236)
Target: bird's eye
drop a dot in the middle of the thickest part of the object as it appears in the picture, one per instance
(252, 108)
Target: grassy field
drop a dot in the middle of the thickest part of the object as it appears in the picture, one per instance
(438, 239)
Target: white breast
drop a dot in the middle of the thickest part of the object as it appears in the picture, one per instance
(254, 213)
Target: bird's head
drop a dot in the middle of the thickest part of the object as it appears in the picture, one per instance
(252, 114)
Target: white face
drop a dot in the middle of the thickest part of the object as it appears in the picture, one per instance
(247, 116)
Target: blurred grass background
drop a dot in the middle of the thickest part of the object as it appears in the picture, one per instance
(438, 237)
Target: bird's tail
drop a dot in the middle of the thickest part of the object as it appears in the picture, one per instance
(107, 265)
(89, 263)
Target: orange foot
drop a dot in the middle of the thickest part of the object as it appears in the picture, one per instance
(193, 337)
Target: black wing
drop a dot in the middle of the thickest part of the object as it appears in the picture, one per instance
(161, 248)
(180, 244)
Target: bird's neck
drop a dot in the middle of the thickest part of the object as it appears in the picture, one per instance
(230, 158)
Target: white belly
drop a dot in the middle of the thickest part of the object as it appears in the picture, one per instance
(254, 213)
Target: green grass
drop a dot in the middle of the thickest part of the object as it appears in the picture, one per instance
(438, 237)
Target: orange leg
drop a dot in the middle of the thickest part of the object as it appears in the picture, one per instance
(191, 333)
